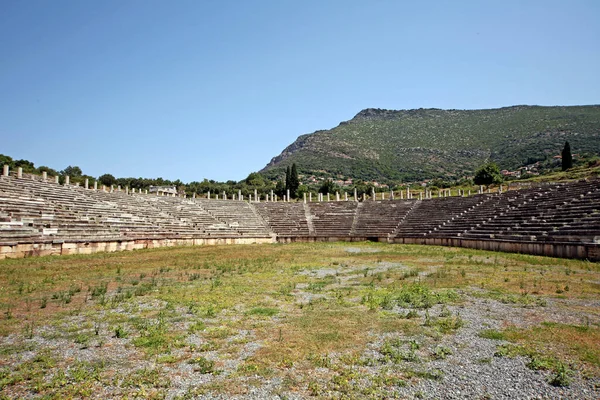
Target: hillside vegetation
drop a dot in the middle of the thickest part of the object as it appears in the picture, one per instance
(427, 143)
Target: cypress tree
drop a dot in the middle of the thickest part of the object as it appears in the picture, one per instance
(288, 173)
(567, 158)
(294, 181)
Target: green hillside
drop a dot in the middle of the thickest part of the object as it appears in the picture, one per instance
(427, 143)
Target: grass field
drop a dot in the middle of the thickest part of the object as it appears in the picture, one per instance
(339, 320)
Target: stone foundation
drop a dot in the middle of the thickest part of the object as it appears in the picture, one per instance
(22, 250)
(583, 251)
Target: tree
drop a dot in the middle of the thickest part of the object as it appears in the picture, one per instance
(107, 180)
(288, 177)
(72, 171)
(6, 160)
(294, 182)
(280, 189)
(25, 164)
(255, 180)
(488, 174)
(567, 158)
(48, 170)
(328, 187)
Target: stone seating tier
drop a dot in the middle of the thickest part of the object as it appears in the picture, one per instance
(32, 211)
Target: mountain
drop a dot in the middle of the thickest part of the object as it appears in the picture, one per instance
(418, 144)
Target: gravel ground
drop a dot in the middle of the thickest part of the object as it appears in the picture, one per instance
(471, 371)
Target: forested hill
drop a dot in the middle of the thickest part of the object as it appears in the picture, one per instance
(426, 143)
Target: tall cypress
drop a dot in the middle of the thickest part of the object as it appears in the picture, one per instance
(567, 158)
(294, 181)
(288, 174)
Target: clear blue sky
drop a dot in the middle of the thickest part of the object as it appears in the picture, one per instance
(214, 89)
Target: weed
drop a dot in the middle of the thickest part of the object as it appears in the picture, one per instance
(441, 352)
(562, 376)
(491, 334)
(203, 365)
(263, 311)
(120, 332)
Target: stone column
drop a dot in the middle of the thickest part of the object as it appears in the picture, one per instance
(310, 197)
(304, 196)
(224, 195)
(420, 195)
(19, 172)
(327, 196)
(267, 197)
(346, 196)
(240, 195)
(500, 190)
(5, 169)
(276, 198)
(284, 198)
(288, 194)
(355, 195)
(382, 195)
(103, 188)
(373, 193)
(44, 175)
(337, 196)
(96, 185)
(272, 195)
(391, 195)
(256, 198)
(67, 180)
(408, 193)
(86, 183)
(469, 192)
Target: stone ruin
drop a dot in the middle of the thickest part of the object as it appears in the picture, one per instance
(39, 216)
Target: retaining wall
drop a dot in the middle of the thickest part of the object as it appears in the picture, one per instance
(589, 251)
(21, 250)
(583, 251)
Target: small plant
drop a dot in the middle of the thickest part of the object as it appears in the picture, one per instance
(441, 352)
(120, 332)
(491, 334)
(8, 313)
(263, 311)
(562, 376)
(196, 326)
(28, 330)
(203, 365)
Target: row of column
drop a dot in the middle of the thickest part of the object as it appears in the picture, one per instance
(427, 194)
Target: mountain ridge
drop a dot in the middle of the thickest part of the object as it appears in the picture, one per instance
(383, 144)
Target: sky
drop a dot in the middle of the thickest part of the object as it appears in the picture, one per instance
(215, 88)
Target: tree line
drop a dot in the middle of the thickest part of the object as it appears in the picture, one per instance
(487, 174)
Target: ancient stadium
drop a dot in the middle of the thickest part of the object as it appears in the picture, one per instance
(450, 295)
